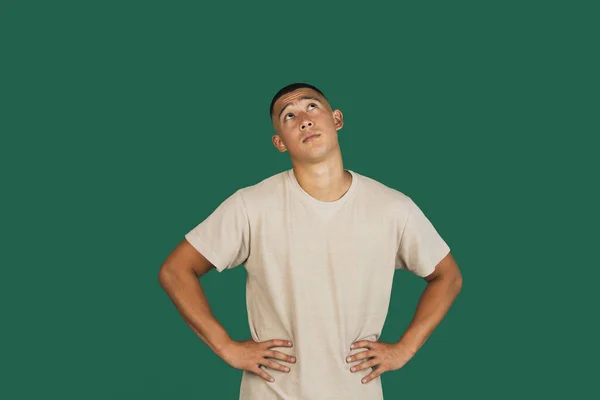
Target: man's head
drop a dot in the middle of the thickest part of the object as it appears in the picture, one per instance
(304, 123)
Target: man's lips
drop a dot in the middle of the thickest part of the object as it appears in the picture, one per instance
(313, 136)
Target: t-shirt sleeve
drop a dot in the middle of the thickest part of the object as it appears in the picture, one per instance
(223, 238)
(421, 247)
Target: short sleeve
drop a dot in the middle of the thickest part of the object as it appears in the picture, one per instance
(223, 238)
(421, 247)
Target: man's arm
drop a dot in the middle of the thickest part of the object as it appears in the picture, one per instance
(443, 285)
(179, 277)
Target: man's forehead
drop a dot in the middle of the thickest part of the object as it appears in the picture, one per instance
(297, 94)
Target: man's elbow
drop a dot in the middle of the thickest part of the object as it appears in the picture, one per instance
(457, 282)
(165, 275)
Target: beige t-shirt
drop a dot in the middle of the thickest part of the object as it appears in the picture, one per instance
(319, 274)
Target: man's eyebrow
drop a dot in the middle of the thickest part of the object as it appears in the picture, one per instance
(301, 98)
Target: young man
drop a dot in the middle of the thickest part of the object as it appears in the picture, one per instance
(320, 244)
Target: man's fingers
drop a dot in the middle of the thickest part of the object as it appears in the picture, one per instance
(368, 344)
(372, 375)
(277, 343)
(364, 365)
(361, 355)
(280, 356)
(259, 371)
(273, 365)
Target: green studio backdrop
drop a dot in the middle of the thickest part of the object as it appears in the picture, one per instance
(124, 124)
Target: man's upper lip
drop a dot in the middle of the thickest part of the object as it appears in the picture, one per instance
(310, 135)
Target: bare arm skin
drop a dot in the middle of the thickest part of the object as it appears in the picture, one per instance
(443, 285)
(179, 277)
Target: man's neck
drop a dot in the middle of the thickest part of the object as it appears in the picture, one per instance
(324, 181)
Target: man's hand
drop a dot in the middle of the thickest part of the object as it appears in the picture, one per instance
(381, 356)
(249, 355)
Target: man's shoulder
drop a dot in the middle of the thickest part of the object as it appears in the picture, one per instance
(375, 189)
(263, 188)
(383, 199)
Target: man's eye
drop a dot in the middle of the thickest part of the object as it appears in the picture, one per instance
(288, 115)
(312, 104)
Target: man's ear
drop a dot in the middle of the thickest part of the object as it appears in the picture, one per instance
(338, 119)
(278, 143)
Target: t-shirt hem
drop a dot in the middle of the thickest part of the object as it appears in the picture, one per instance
(209, 255)
(428, 271)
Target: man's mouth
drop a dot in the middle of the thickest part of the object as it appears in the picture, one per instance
(311, 137)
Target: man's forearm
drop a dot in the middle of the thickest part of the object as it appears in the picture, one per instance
(433, 305)
(189, 298)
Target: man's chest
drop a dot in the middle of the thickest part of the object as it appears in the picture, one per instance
(304, 242)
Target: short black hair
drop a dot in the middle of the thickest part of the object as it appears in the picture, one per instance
(290, 88)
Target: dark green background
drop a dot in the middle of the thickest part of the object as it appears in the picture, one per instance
(124, 124)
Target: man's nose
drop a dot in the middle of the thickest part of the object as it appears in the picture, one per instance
(306, 123)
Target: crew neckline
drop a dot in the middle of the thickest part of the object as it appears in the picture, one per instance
(318, 203)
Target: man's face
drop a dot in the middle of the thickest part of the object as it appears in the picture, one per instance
(306, 126)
